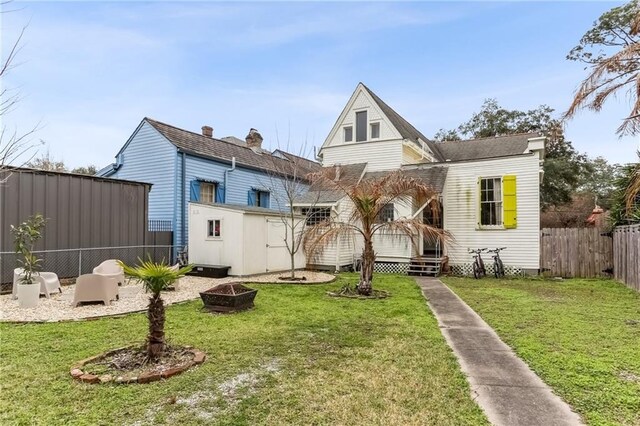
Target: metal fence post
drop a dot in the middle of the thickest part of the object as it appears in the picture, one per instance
(79, 262)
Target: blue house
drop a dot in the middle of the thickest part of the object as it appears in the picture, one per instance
(185, 166)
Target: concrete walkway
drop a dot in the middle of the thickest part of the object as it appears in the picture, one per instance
(501, 383)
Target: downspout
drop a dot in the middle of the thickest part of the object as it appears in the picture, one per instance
(184, 199)
(226, 178)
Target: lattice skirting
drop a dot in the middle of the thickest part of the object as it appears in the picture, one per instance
(467, 269)
(391, 267)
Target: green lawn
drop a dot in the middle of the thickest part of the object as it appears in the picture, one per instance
(300, 357)
(581, 336)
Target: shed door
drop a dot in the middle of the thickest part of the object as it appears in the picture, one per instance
(277, 254)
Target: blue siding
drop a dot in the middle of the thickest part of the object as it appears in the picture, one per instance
(149, 157)
(239, 183)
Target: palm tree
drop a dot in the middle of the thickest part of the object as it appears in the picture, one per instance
(156, 277)
(615, 74)
(368, 198)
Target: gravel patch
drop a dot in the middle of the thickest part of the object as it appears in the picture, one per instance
(132, 298)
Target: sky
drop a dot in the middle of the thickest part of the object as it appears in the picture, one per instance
(89, 72)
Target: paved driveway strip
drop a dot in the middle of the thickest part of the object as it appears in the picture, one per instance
(501, 383)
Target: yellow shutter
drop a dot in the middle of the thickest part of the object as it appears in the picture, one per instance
(509, 201)
(479, 204)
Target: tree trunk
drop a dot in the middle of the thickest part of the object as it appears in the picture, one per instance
(293, 266)
(156, 316)
(366, 274)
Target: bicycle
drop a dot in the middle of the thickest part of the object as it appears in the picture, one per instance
(183, 259)
(498, 267)
(478, 263)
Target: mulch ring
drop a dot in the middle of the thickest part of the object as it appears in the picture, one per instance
(130, 365)
(352, 293)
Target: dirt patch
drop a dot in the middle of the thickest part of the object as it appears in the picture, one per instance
(351, 292)
(131, 365)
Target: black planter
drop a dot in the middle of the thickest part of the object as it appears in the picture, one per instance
(232, 297)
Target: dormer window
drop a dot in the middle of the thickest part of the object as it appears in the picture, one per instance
(348, 134)
(375, 130)
(361, 126)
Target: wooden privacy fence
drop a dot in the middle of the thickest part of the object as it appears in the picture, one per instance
(626, 255)
(576, 252)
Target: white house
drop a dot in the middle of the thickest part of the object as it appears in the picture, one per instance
(489, 188)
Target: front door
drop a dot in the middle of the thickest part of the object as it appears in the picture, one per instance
(432, 215)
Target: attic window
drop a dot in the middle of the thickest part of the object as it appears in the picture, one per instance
(348, 134)
(375, 130)
(361, 126)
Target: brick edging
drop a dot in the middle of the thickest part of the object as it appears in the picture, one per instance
(145, 377)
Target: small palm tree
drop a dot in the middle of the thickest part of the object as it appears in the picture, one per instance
(156, 277)
(368, 198)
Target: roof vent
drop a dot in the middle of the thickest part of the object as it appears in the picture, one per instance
(207, 131)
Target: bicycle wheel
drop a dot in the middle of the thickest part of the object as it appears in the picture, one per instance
(476, 271)
(498, 268)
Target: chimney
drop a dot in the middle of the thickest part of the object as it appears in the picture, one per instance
(207, 131)
(254, 139)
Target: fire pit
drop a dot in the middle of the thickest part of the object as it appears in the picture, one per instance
(232, 297)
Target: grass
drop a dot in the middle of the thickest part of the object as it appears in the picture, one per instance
(581, 336)
(300, 357)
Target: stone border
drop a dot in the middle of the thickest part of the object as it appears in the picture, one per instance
(145, 377)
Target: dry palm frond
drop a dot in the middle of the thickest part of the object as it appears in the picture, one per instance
(633, 190)
(367, 197)
(608, 77)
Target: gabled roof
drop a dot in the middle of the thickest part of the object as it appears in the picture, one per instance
(218, 149)
(473, 149)
(406, 129)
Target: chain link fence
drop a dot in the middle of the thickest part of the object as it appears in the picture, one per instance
(71, 263)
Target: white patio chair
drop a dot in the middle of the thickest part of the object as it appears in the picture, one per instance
(110, 269)
(48, 284)
(95, 288)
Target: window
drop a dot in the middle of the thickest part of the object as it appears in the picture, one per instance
(258, 198)
(375, 130)
(214, 228)
(207, 192)
(386, 214)
(316, 215)
(348, 134)
(491, 202)
(361, 126)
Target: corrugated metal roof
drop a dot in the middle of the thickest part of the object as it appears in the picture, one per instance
(242, 208)
(499, 146)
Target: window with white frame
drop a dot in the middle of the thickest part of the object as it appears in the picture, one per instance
(214, 228)
(375, 130)
(207, 192)
(491, 201)
(316, 215)
(386, 214)
(348, 134)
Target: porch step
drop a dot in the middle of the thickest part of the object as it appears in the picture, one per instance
(425, 266)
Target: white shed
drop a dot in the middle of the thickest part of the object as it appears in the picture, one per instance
(251, 240)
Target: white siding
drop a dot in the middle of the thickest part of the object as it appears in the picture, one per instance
(460, 205)
(361, 101)
(380, 155)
